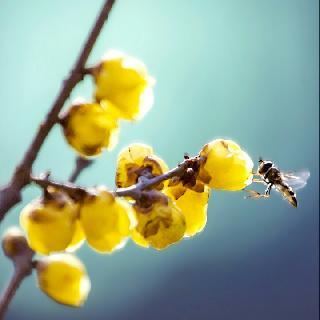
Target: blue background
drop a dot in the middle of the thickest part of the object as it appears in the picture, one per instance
(241, 69)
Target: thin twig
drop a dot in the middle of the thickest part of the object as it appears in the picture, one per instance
(133, 191)
(18, 276)
(10, 194)
(21, 258)
(81, 164)
(68, 187)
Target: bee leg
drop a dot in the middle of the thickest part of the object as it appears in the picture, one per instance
(268, 190)
(257, 180)
(255, 195)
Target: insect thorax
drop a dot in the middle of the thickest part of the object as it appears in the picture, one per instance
(273, 176)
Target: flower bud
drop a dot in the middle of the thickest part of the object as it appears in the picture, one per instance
(106, 221)
(90, 127)
(160, 227)
(78, 238)
(193, 206)
(225, 166)
(135, 159)
(63, 278)
(50, 222)
(124, 81)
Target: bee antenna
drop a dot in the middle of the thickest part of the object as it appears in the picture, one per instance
(260, 159)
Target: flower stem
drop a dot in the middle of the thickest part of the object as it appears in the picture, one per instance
(21, 256)
(133, 191)
(81, 164)
(18, 276)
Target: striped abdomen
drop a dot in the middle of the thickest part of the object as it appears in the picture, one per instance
(287, 192)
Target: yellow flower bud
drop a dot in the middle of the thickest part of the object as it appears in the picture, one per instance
(124, 81)
(160, 227)
(50, 222)
(193, 206)
(63, 278)
(225, 166)
(90, 127)
(106, 221)
(77, 239)
(132, 160)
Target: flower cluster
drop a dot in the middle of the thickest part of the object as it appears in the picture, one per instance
(157, 216)
(153, 206)
(177, 208)
(123, 90)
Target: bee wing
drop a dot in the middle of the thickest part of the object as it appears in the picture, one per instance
(296, 179)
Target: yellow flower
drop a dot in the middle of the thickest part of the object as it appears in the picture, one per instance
(132, 160)
(50, 222)
(106, 221)
(161, 226)
(124, 81)
(225, 166)
(90, 127)
(77, 239)
(193, 206)
(63, 278)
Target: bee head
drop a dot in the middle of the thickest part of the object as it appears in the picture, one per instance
(264, 166)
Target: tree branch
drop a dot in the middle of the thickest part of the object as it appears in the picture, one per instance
(81, 164)
(133, 191)
(10, 194)
(21, 271)
(71, 189)
(16, 248)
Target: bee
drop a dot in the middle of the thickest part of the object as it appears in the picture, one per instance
(283, 182)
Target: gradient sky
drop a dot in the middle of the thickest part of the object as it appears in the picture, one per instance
(241, 69)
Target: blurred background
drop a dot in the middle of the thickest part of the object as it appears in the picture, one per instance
(245, 70)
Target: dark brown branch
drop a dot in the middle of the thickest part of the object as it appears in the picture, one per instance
(145, 183)
(73, 190)
(133, 191)
(81, 164)
(21, 256)
(10, 194)
(18, 276)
